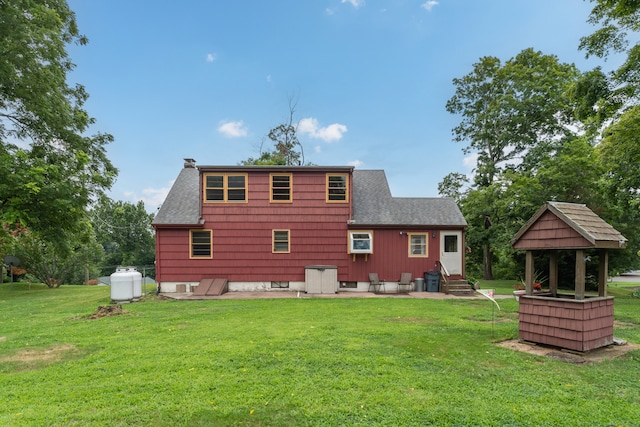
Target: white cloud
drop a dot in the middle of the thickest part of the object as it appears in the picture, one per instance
(317, 149)
(354, 3)
(429, 4)
(311, 127)
(151, 197)
(470, 161)
(211, 57)
(232, 129)
(355, 163)
(329, 11)
(269, 78)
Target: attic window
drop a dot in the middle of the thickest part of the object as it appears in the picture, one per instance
(360, 242)
(226, 188)
(337, 188)
(280, 187)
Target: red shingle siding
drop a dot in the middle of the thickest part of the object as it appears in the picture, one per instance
(575, 325)
(550, 232)
(242, 235)
(390, 257)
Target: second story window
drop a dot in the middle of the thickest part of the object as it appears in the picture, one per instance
(281, 187)
(337, 188)
(226, 188)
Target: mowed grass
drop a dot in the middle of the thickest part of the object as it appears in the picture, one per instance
(295, 362)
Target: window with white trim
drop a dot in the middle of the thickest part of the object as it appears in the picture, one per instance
(360, 242)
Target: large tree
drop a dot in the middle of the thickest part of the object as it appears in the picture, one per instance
(510, 114)
(49, 168)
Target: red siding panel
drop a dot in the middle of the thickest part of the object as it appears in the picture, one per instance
(242, 239)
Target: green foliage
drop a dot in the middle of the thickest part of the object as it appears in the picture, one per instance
(620, 156)
(533, 123)
(302, 362)
(511, 116)
(287, 149)
(507, 109)
(73, 262)
(49, 168)
(619, 23)
(125, 233)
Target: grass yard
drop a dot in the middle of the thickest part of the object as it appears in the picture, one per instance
(295, 362)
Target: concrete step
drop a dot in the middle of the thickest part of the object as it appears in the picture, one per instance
(460, 288)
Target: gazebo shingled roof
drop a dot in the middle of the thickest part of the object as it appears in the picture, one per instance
(582, 229)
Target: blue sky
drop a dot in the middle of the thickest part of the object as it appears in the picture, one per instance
(209, 79)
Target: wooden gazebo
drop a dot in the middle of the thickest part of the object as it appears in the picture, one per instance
(572, 321)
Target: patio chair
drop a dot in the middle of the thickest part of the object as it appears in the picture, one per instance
(374, 281)
(405, 280)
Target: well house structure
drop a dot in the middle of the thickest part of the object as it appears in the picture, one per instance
(576, 321)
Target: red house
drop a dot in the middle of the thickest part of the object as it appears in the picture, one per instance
(302, 228)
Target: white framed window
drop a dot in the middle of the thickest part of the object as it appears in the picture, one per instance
(360, 242)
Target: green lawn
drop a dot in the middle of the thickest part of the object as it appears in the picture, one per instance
(295, 362)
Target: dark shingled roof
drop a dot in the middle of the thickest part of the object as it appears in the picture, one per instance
(374, 205)
(182, 205)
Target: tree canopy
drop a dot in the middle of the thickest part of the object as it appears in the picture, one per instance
(534, 124)
(619, 24)
(124, 230)
(510, 115)
(49, 168)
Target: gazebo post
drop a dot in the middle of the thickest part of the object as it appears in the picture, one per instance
(528, 273)
(603, 271)
(581, 273)
(553, 273)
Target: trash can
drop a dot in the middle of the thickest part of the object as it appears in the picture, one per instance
(433, 281)
(419, 281)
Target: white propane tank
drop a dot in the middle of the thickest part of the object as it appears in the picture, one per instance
(137, 283)
(122, 286)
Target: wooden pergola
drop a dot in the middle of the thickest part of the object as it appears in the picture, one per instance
(567, 226)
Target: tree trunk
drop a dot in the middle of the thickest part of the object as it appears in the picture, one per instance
(487, 261)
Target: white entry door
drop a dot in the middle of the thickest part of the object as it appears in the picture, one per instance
(451, 251)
